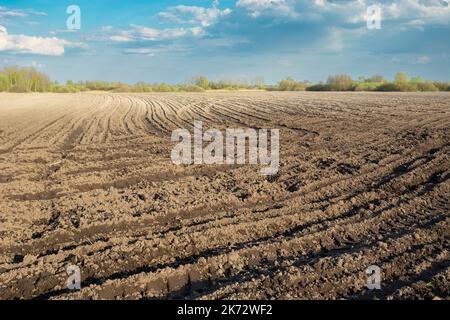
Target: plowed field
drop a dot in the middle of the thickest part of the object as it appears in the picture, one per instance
(87, 180)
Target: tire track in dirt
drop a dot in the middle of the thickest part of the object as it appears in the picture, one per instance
(259, 241)
(365, 182)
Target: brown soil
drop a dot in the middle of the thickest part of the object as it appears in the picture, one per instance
(87, 179)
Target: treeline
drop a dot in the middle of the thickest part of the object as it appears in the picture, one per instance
(375, 83)
(14, 79)
(121, 87)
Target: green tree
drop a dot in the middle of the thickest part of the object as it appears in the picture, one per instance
(375, 78)
(401, 77)
(340, 82)
(202, 82)
(290, 84)
(427, 86)
(4, 82)
(416, 80)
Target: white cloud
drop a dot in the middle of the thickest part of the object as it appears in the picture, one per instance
(141, 33)
(423, 60)
(403, 12)
(37, 65)
(194, 15)
(410, 59)
(107, 28)
(34, 45)
(15, 13)
(60, 31)
(428, 12)
(395, 59)
(5, 13)
(320, 3)
(257, 8)
(152, 51)
(121, 38)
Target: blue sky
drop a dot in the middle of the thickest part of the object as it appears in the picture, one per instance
(153, 41)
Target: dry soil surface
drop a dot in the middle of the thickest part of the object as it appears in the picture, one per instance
(86, 180)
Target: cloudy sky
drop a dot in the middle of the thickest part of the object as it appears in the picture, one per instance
(171, 40)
